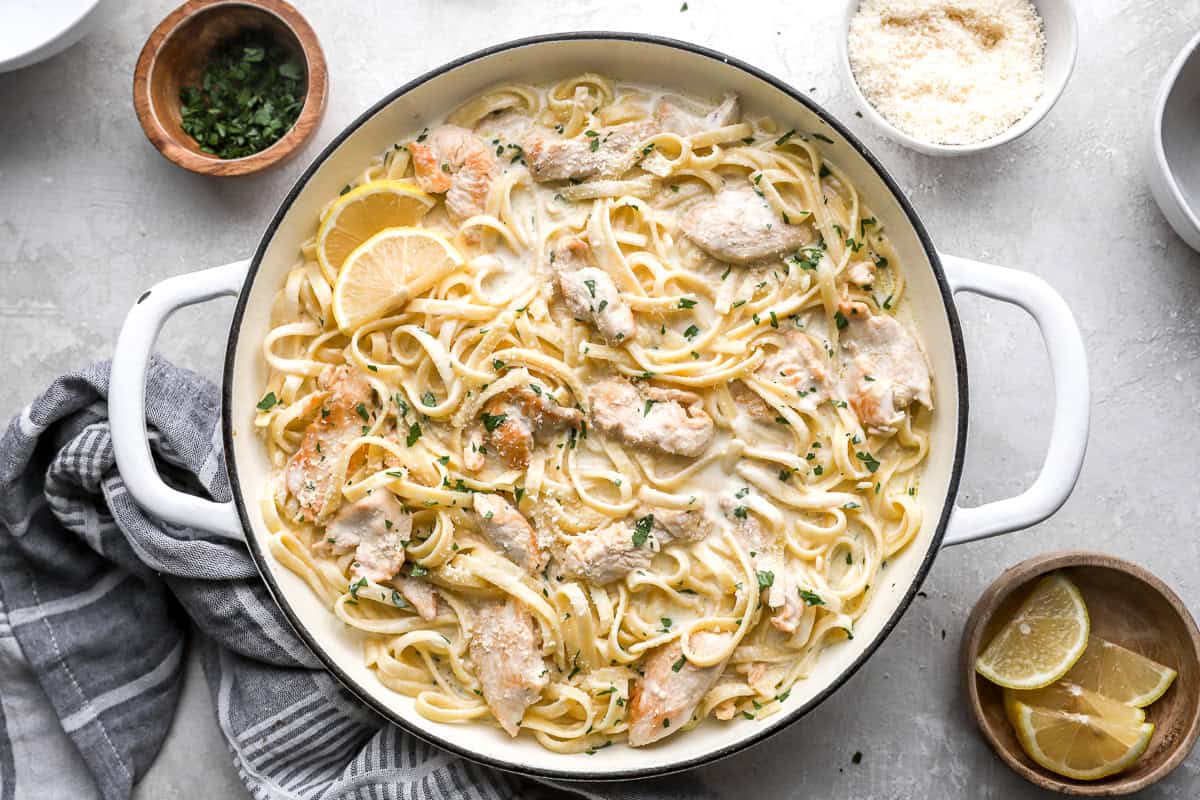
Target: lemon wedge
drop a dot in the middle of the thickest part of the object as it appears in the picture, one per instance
(363, 212)
(1042, 641)
(1120, 674)
(387, 270)
(1079, 746)
(1067, 696)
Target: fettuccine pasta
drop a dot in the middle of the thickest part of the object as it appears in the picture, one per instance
(627, 442)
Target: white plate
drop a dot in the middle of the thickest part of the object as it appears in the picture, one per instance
(33, 31)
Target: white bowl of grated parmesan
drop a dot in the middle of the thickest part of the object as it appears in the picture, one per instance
(952, 77)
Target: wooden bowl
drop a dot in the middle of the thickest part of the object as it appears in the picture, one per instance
(175, 55)
(1128, 606)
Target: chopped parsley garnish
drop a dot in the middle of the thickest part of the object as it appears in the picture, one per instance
(691, 333)
(740, 512)
(249, 95)
(641, 530)
(267, 402)
(646, 409)
(493, 421)
(428, 398)
(765, 579)
(782, 140)
(591, 287)
(687, 302)
(822, 137)
(840, 319)
(362, 412)
(811, 598)
(418, 571)
(414, 433)
(868, 460)
(678, 665)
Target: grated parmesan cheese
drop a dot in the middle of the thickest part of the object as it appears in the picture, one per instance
(948, 71)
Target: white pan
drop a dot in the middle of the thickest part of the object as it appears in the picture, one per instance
(933, 281)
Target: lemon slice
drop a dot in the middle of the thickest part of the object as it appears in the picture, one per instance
(1079, 746)
(1046, 637)
(1120, 674)
(363, 212)
(388, 270)
(1067, 696)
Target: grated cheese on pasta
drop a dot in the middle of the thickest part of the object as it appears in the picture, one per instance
(948, 71)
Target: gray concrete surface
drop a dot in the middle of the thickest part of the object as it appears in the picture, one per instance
(90, 215)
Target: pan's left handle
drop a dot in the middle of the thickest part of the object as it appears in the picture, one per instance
(127, 399)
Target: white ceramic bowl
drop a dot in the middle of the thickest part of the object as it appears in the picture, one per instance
(32, 32)
(1062, 42)
(1173, 165)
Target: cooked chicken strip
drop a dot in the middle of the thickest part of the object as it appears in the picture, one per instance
(505, 650)
(590, 293)
(507, 529)
(767, 558)
(801, 366)
(737, 226)
(673, 524)
(345, 405)
(419, 593)
(454, 161)
(612, 552)
(517, 418)
(886, 369)
(662, 701)
(669, 420)
(606, 554)
(674, 117)
(861, 273)
(375, 528)
(607, 153)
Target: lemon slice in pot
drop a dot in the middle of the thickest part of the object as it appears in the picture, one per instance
(1042, 641)
(387, 270)
(1079, 746)
(363, 212)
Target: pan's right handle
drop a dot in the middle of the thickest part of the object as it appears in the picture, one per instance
(127, 399)
(1069, 432)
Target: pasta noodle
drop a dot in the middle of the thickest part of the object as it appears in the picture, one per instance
(714, 449)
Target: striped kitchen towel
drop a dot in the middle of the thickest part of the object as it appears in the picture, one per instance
(95, 603)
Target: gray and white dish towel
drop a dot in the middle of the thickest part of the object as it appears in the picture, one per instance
(99, 603)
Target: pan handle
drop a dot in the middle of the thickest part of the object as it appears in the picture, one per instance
(127, 399)
(1068, 366)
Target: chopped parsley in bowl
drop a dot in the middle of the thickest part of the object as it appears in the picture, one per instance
(249, 95)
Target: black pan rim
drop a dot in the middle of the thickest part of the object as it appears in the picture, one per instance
(260, 558)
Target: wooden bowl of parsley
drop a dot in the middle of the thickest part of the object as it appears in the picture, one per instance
(230, 88)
